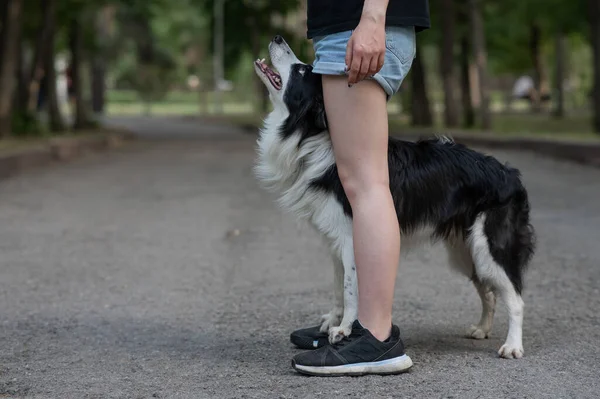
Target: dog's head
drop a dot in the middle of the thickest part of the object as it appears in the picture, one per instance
(294, 86)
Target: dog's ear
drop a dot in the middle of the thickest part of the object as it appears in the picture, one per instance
(320, 116)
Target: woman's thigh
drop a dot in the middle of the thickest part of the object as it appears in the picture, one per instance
(357, 115)
(358, 125)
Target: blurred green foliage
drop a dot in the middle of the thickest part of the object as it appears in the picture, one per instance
(155, 47)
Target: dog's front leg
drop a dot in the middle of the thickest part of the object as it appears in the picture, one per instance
(333, 318)
(350, 287)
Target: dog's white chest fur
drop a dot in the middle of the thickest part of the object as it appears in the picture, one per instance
(287, 167)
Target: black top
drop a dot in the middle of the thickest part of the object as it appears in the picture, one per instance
(332, 16)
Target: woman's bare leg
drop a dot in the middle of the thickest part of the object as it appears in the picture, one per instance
(358, 123)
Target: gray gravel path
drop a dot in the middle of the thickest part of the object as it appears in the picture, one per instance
(161, 270)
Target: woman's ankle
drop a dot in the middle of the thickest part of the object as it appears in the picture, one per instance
(380, 329)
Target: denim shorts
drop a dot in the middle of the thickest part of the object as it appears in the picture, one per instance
(400, 43)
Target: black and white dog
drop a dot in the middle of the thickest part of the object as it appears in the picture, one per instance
(442, 191)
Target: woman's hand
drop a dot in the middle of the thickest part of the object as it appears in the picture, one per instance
(366, 48)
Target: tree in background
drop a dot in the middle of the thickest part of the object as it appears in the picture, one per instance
(420, 109)
(152, 80)
(103, 27)
(540, 75)
(153, 46)
(76, 48)
(447, 43)
(10, 14)
(462, 16)
(40, 19)
(480, 56)
(560, 74)
(594, 13)
(56, 121)
(250, 24)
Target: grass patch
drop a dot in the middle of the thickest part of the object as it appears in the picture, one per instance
(543, 123)
(543, 126)
(571, 129)
(237, 110)
(169, 109)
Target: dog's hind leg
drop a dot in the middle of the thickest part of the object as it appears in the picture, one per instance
(482, 329)
(460, 259)
(350, 293)
(489, 271)
(333, 318)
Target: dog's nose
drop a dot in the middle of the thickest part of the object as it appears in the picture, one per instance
(278, 39)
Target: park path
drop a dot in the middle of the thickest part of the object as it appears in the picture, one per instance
(161, 270)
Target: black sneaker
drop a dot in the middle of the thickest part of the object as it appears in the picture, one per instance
(309, 338)
(360, 353)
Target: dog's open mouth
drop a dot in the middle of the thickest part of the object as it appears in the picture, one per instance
(273, 76)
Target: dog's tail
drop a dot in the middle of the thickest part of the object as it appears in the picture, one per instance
(511, 236)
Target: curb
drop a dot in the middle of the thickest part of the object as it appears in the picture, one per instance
(59, 150)
(579, 152)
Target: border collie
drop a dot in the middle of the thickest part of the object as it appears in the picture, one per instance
(442, 191)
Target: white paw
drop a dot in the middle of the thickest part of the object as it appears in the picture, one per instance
(329, 320)
(337, 333)
(509, 351)
(477, 332)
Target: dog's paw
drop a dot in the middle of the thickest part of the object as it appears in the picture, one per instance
(477, 332)
(509, 351)
(330, 320)
(336, 334)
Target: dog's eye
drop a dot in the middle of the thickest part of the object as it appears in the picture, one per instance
(301, 71)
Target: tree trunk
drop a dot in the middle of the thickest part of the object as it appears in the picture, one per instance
(37, 64)
(98, 72)
(263, 105)
(76, 47)
(104, 20)
(420, 109)
(57, 123)
(480, 55)
(20, 97)
(594, 10)
(3, 11)
(467, 102)
(462, 17)
(447, 63)
(11, 26)
(538, 67)
(560, 55)
(594, 21)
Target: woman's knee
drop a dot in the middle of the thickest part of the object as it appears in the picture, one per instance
(364, 183)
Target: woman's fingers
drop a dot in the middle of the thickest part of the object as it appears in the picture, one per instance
(356, 61)
(374, 66)
(365, 67)
(380, 61)
(349, 48)
(361, 63)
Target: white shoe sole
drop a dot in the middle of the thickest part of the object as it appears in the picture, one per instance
(396, 365)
